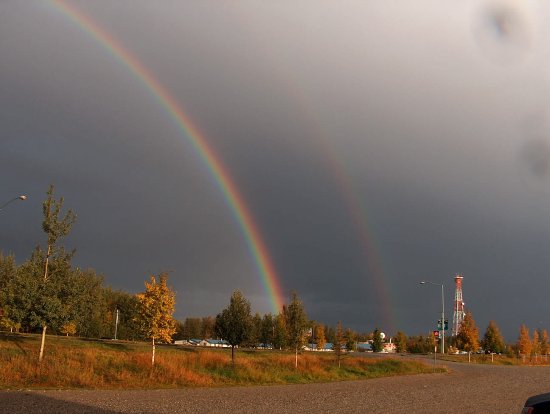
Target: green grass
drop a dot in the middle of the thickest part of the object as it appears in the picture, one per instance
(84, 363)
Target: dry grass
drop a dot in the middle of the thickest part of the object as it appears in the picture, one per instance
(81, 363)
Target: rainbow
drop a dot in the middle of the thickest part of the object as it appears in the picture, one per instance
(196, 138)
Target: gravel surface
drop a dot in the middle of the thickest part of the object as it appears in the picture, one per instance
(467, 388)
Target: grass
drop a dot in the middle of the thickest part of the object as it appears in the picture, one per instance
(82, 363)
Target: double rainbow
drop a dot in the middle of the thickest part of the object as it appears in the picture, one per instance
(196, 138)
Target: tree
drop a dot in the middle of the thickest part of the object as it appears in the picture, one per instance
(351, 339)
(192, 328)
(377, 341)
(255, 331)
(296, 324)
(267, 331)
(320, 337)
(400, 342)
(543, 335)
(524, 342)
(234, 322)
(68, 328)
(55, 229)
(207, 328)
(339, 342)
(156, 309)
(535, 349)
(280, 334)
(468, 336)
(493, 341)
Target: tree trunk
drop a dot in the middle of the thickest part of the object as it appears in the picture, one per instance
(42, 342)
(153, 357)
(47, 261)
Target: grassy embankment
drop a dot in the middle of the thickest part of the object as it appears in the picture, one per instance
(81, 363)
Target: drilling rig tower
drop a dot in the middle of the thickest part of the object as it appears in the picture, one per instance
(458, 315)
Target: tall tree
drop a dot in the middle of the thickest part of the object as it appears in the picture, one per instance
(377, 341)
(156, 310)
(468, 334)
(524, 342)
(493, 341)
(55, 228)
(234, 322)
(296, 324)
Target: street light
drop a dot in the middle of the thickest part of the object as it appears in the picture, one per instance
(424, 282)
(21, 197)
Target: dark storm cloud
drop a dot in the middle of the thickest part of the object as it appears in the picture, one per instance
(411, 104)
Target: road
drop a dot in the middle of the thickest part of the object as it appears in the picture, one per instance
(467, 388)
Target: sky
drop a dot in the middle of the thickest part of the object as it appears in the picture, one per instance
(373, 145)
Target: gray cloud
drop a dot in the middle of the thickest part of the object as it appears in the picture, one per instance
(407, 110)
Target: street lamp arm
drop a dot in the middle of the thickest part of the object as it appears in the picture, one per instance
(21, 197)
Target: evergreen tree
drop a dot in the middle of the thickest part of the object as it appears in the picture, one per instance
(493, 341)
(156, 309)
(468, 336)
(296, 324)
(234, 322)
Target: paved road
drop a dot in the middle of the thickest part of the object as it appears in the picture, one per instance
(466, 389)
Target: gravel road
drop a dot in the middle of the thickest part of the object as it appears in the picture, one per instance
(465, 389)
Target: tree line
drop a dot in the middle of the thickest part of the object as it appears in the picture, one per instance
(46, 292)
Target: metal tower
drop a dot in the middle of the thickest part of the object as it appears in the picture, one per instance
(458, 315)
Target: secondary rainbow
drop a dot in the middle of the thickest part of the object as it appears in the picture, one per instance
(196, 138)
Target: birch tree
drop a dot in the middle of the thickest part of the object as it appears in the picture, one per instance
(296, 325)
(55, 228)
(156, 310)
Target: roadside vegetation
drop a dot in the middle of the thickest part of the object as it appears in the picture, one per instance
(84, 363)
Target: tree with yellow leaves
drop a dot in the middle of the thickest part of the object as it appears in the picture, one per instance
(320, 337)
(524, 342)
(468, 334)
(156, 309)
